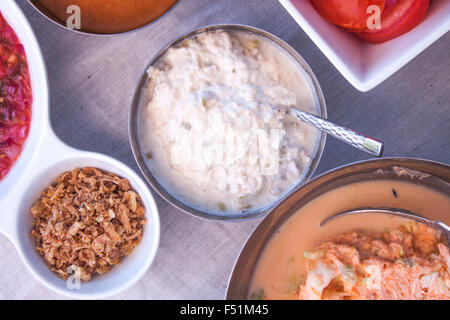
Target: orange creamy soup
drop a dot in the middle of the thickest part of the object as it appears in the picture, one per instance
(110, 16)
(363, 256)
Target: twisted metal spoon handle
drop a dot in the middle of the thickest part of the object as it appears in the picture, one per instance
(355, 139)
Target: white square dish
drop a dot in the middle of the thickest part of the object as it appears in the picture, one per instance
(363, 64)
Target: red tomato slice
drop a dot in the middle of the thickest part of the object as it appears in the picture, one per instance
(397, 19)
(349, 14)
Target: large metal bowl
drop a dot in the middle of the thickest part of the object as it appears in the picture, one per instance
(138, 99)
(421, 172)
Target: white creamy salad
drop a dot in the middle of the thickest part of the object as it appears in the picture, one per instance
(215, 129)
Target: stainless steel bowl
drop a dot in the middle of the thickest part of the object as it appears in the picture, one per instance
(421, 172)
(51, 17)
(137, 102)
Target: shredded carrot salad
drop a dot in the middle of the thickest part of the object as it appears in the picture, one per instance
(408, 263)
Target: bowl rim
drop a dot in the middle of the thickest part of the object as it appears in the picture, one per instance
(50, 17)
(135, 141)
(317, 182)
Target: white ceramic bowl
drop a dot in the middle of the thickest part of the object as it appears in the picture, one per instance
(363, 64)
(44, 158)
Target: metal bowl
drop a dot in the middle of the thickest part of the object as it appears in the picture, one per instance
(137, 102)
(51, 17)
(420, 172)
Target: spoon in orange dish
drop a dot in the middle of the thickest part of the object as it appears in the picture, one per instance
(436, 224)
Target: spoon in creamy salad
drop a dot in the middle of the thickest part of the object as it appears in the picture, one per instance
(349, 136)
(439, 225)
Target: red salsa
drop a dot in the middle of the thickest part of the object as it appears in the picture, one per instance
(15, 97)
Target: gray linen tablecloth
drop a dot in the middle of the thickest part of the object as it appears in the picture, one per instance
(92, 80)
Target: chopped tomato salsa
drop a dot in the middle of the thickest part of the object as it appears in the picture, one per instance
(15, 97)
